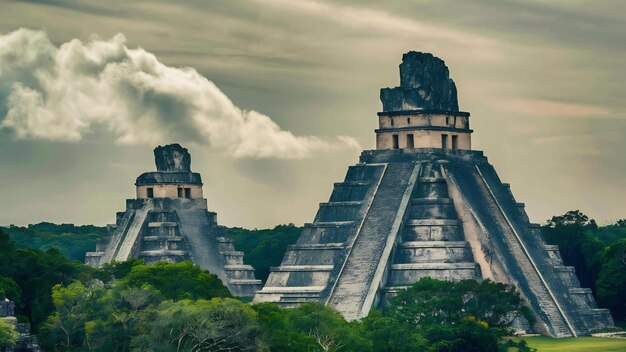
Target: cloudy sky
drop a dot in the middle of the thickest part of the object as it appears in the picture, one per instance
(276, 98)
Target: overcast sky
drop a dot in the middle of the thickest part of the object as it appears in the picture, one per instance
(276, 98)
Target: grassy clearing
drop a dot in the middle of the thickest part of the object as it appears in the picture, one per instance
(579, 344)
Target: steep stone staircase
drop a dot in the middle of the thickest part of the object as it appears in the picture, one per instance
(432, 243)
(311, 265)
(357, 283)
(162, 240)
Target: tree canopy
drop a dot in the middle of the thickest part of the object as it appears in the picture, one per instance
(595, 254)
(264, 248)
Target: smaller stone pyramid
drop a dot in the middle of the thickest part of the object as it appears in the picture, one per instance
(169, 221)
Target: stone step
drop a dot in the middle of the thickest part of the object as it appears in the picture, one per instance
(240, 267)
(244, 282)
(434, 244)
(162, 224)
(349, 203)
(433, 222)
(580, 291)
(415, 201)
(164, 252)
(94, 254)
(431, 179)
(316, 246)
(362, 172)
(595, 311)
(329, 224)
(293, 289)
(432, 232)
(296, 300)
(162, 238)
(394, 289)
(233, 257)
(434, 266)
(432, 210)
(290, 268)
(232, 253)
(409, 273)
(308, 295)
(339, 211)
(582, 298)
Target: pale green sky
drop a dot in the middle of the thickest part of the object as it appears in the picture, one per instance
(544, 81)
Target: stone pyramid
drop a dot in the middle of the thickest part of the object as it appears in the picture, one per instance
(424, 204)
(169, 221)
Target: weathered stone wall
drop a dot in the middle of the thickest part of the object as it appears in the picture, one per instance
(424, 84)
(172, 158)
(169, 190)
(417, 119)
(421, 139)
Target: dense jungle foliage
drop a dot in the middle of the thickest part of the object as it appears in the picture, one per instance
(166, 307)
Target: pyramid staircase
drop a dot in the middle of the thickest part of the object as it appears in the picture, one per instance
(312, 265)
(432, 243)
(162, 240)
(155, 232)
(240, 276)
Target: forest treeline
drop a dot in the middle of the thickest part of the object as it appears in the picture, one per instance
(47, 282)
(129, 306)
(598, 253)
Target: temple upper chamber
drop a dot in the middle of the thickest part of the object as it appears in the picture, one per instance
(423, 112)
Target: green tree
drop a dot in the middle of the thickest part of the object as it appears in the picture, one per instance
(116, 270)
(459, 316)
(221, 324)
(9, 289)
(611, 285)
(574, 233)
(264, 248)
(177, 281)
(8, 335)
(35, 273)
(71, 240)
(125, 312)
(74, 305)
(309, 327)
(390, 335)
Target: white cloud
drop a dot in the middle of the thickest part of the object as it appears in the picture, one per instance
(64, 93)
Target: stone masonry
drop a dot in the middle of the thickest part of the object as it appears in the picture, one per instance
(169, 221)
(26, 341)
(437, 209)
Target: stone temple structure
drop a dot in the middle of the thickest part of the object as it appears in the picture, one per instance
(424, 204)
(169, 221)
(26, 342)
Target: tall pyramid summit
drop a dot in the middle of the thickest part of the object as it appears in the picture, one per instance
(169, 221)
(424, 204)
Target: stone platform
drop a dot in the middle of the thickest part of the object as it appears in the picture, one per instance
(401, 215)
